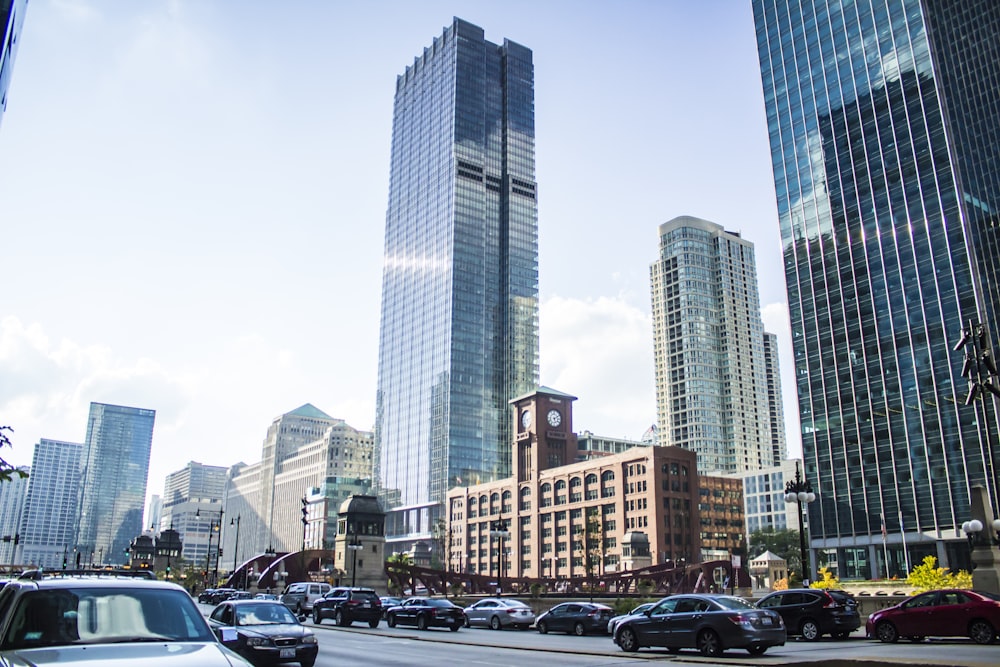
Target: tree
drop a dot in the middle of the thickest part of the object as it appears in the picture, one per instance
(7, 471)
(928, 577)
(784, 543)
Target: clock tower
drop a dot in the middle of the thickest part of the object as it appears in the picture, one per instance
(543, 433)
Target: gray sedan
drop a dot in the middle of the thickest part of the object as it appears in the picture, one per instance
(499, 613)
(709, 623)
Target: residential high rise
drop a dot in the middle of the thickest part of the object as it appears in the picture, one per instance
(459, 323)
(113, 479)
(11, 20)
(883, 120)
(711, 372)
(775, 406)
(48, 522)
(12, 494)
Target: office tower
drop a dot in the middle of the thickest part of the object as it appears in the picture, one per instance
(48, 522)
(459, 322)
(775, 406)
(11, 19)
(711, 376)
(883, 121)
(192, 498)
(113, 480)
(12, 494)
(306, 453)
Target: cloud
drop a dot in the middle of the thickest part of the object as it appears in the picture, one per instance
(601, 351)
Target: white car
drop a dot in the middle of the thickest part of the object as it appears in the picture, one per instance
(613, 623)
(499, 613)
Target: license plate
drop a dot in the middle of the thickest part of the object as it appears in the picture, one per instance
(366, 605)
(286, 653)
(766, 620)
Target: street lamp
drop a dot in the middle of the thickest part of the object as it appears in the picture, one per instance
(354, 546)
(973, 532)
(800, 491)
(212, 525)
(498, 529)
(236, 548)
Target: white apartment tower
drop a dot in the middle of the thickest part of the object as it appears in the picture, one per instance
(48, 521)
(711, 372)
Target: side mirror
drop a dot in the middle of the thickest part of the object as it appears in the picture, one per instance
(229, 636)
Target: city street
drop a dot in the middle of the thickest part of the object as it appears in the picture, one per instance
(474, 646)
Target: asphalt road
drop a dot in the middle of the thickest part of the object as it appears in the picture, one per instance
(361, 645)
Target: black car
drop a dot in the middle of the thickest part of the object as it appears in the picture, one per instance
(205, 597)
(812, 612)
(580, 618)
(426, 613)
(347, 605)
(264, 632)
(709, 623)
(221, 595)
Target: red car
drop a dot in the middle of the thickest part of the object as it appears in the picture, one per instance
(944, 613)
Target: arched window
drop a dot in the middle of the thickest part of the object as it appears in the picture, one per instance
(608, 476)
(575, 482)
(560, 485)
(506, 494)
(525, 493)
(546, 488)
(591, 479)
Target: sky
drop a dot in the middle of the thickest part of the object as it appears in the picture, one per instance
(193, 196)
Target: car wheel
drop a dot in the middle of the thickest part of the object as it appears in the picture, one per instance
(628, 640)
(579, 630)
(421, 622)
(317, 618)
(373, 623)
(809, 630)
(543, 627)
(455, 627)
(495, 623)
(886, 632)
(981, 632)
(390, 620)
(338, 618)
(709, 644)
(756, 650)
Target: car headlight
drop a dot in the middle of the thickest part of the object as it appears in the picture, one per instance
(309, 639)
(257, 641)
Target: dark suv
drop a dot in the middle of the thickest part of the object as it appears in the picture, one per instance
(814, 612)
(347, 605)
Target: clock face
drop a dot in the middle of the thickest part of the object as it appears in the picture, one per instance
(554, 418)
(525, 419)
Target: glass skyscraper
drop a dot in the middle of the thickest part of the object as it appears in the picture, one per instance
(113, 480)
(459, 323)
(48, 522)
(884, 125)
(11, 20)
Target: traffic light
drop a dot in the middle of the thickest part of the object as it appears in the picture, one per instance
(305, 511)
(168, 571)
(64, 561)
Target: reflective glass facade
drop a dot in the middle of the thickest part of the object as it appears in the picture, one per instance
(113, 482)
(11, 20)
(884, 124)
(459, 323)
(49, 521)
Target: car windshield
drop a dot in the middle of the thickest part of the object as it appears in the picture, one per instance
(434, 602)
(733, 603)
(57, 617)
(263, 614)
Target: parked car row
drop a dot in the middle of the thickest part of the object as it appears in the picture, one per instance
(217, 595)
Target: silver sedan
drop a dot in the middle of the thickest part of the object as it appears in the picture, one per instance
(499, 613)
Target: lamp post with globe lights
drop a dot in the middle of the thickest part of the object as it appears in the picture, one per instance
(800, 491)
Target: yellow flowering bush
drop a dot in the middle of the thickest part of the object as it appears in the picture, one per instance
(928, 577)
(827, 580)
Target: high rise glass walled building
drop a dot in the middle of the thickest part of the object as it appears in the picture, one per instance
(884, 121)
(48, 523)
(459, 323)
(113, 480)
(711, 371)
(11, 20)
